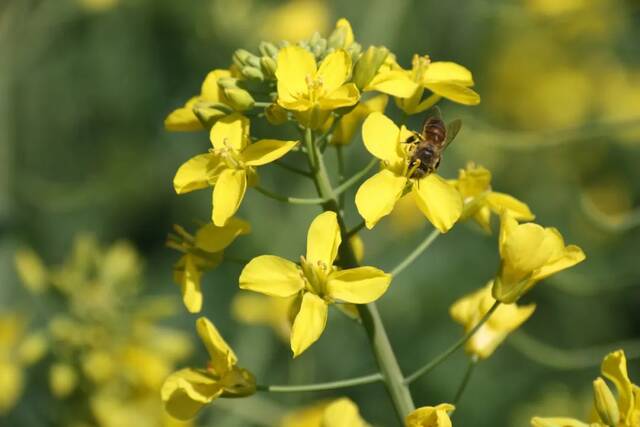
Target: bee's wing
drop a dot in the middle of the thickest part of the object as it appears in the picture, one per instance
(453, 128)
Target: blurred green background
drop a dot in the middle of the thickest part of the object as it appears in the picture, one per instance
(85, 86)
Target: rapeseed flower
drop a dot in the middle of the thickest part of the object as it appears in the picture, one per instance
(438, 200)
(528, 254)
(316, 282)
(186, 391)
(230, 166)
(342, 412)
(430, 416)
(470, 309)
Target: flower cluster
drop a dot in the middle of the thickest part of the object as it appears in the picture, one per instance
(327, 91)
(108, 354)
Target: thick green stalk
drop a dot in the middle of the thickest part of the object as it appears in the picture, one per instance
(387, 362)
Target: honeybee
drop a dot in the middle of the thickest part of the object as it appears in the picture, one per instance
(428, 145)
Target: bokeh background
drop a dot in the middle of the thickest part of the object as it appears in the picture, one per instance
(85, 86)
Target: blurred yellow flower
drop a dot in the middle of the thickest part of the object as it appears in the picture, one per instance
(623, 411)
(337, 413)
(296, 20)
(430, 416)
(230, 166)
(31, 270)
(63, 380)
(264, 310)
(438, 200)
(350, 122)
(470, 309)
(185, 119)
(202, 251)
(444, 79)
(98, 5)
(474, 185)
(18, 349)
(186, 391)
(311, 91)
(316, 281)
(529, 253)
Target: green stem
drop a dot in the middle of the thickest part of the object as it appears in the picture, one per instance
(355, 177)
(259, 104)
(356, 229)
(465, 380)
(332, 385)
(340, 161)
(448, 352)
(292, 200)
(416, 253)
(389, 368)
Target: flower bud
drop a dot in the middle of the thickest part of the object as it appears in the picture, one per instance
(605, 403)
(239, 99)
(252, 73)
(368, 65)
(268, 66)
(268, 49)
(276, 115)
(227, 82)
(241, 57)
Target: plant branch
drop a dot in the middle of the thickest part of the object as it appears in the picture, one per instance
(465, 380)
(292, 200)
(332, 385)
(448, 352)
(415, 253)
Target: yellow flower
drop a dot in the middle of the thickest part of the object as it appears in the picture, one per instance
(186, 391)
(17, 351)
(430, 416)
(31, 270)
(63, 380)
(444, 79)
(263, 310)
(337, 413)
(316, 281)
(609, 411)
(468, 311)
(204, 251)
(295, 20)
(310, 91)
(346, 128)
(529, 253)
(474, 185)
(184, 118)
(438, 200)
(230, 166)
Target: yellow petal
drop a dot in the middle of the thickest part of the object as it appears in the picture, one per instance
(455, 92)
(344, 96)
(614, 368)
(228, 194)
(439, 201)
(210, 90)
(183, 118)
(334, 70)
(571, 256)
(360, 285)
(518, 210)
(323, 239)
(558, 422)
(529, 247)
(222, 358)
(342, 413)
(430, 416)
(309, 323)
(231, 131)
(271, 275)
(447, 72)
(381, 137)
(31, 270)
(266, 151)
(186, 391)
(395, 83)
(294, 65)
(377, 196)
(190, 285)
(195, 173)
(212, 238)
(63, 379)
